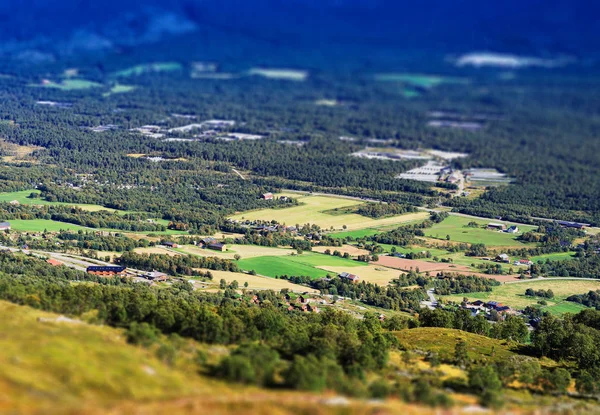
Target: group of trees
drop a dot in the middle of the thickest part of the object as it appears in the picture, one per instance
(459, 284)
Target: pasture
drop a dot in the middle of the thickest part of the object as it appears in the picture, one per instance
(41, 225)
(513, 294)
(148, 68)
(70, 84)
(321, 211)
(257, 282)
(118, 89)
(557, 256)
(457, 228)
(307, 264)
(23, 198)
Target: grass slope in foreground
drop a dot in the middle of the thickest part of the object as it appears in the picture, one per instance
(513, 294)
(53, 366)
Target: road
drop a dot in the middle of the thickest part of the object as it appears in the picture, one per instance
(432, 303)
(238, 173)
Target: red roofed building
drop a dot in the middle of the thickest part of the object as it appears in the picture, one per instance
(267, 196)
(349, 277)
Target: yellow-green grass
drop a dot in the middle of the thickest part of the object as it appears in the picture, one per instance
(414, 249)
(375, 274)
(443, 342)
(513, 294)
(149, 68)
(70, 84)
(119, 89)
(245, 251)
(257, 282)
(456, 227)
(306, 264)
(22, 196)
(49, 363)
(361, 233)
(313, 210)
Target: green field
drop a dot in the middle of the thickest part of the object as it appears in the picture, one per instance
(305, 264)
(22, 197)
(558, 256)
(41, 225)
(70, 84)
(419, 80)
(361, 233)
(513, 294)
(119, 89)
(317, 210)
(456, 227)
(148, 68)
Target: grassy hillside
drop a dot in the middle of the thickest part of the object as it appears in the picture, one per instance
(50, 364)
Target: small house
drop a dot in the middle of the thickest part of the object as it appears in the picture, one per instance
(503, 258)
(496, 226)
(156, 276)
(4, 226)
(217, 246)
(513, 229)
(349, 277)
(526, 262)
(267, 196)
(171, 245)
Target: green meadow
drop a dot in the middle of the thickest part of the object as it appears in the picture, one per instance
(70, 84)
(459, 231)
(23, 198)
(149, 67)
(304, 264)
(41, 225)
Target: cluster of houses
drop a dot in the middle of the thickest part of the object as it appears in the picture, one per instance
(485, 308)
(293, 302)
(262, 227)
(504, 258)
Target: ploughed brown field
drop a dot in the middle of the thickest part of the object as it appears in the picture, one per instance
(433, 267)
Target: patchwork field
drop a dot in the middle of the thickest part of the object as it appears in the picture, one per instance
(245, 251)
(456, 227)
(257, 282)
(513, 294)
(320, 210)
(307, 264)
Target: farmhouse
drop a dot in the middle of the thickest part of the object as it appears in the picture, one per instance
(576, 225)
(349, 277)
(496, 226)
(267, 196)
(525, 262)
(4, 226)
(503, 258)
(513, 229)
(106, 270)
(217, 246)
(156, 276)
(170, 244)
